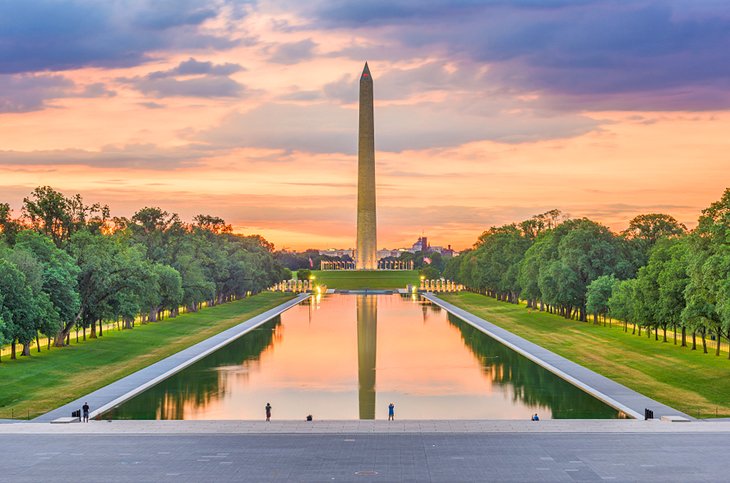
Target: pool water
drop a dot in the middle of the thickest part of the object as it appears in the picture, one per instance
(350, 356)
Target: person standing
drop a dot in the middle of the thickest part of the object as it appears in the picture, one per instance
(268, 412)
(85, 409)
(391, 412)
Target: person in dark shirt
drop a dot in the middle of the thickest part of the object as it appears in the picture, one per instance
(85, 409)
(391, 412)
(268, 412)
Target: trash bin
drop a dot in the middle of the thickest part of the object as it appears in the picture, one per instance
(648, 414)
(76, 414)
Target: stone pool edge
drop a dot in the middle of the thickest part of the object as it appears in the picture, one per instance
(105, 398)
(610, 392)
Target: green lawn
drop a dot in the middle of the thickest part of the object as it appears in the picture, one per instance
(693, 382)
(34, 385)
(350, 279)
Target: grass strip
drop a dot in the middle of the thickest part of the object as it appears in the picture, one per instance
(354, 280)
(31, 386)
(690, 381)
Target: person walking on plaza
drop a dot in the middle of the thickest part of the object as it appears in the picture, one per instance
(268, 412)
(85, 409)
(391, 412)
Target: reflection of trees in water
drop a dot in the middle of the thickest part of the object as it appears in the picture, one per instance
(531, 384)
(204, 381)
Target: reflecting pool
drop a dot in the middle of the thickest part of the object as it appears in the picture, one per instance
(350, 356)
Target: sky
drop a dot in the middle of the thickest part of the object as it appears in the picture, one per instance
(486, 112)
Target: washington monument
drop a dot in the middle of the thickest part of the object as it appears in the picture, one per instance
(365, 257)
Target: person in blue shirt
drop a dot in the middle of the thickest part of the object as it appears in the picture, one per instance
(391, 412)
(535, 418)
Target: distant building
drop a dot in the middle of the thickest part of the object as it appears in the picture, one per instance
(385, 253)
(445, 252)
(421, 245)
(338, 252)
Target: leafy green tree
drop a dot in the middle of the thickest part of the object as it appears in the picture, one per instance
(644, 231)
(9, 227)
(499, 252)
(597, 297)
(622, 303)
(652, 227)
(709, 271)
(451, 267)
(529, 270)
(18, 310)
(429, 273)
(51, 213)
(673, 281)
(589, 250)
(109, 266)
(59, 276)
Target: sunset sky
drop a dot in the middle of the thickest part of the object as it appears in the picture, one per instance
(486, 112)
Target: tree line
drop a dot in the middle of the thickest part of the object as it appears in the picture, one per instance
(66, 265)
(656, 275)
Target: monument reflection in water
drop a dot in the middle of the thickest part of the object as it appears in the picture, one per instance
(349, 356)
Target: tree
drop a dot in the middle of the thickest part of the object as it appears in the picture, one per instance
(499, 252)
(672, 281)
(9, 227)
(622, 302)
(52, 214)
(651, 227)
(644, 231)
(597, 296)
(59, 280)
(451, 267)
(589, 250)
(709, 271)
(18, 309)
(109, 265)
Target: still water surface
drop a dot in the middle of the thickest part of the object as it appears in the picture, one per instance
(349, 356)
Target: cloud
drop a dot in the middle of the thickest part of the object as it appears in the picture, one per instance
(23, 93)
(329, 128)
(196, 67)
(53, 35)
(401, 83)
(141, 156)
(191, 78)
(97, 89)
(647, 54)
(321, 127)
(293, 52)
(31, 92)
(152, 105)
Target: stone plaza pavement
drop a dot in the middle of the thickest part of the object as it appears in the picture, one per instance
(442, 451)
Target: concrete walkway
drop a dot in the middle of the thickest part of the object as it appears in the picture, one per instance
(612, 393)
(457, 426)
(107, 397)
(358, 457)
